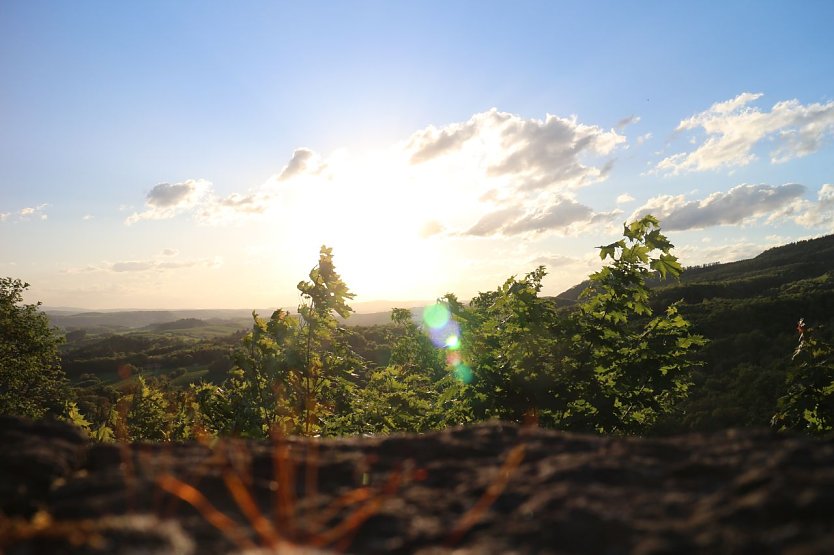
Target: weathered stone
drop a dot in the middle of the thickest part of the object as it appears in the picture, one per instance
(490, 488)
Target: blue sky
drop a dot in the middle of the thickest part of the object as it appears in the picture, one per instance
(196, 154)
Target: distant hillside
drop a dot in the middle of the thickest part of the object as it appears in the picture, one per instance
(748, 310)
(771, 269)
(134, 319)
(366, 314)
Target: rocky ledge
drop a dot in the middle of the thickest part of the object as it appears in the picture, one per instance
(490, 488)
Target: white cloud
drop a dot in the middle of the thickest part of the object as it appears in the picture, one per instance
(87, 217)
(643, 138)
(734, 128)
(694, 255)
(624, 198)
(147, 265)
(198, 198)
(738, 205)
(625, 122)
(464, 176)
(165, 201)
(562, 215)
(26, 213)
(303, 161)
(819, 213)
(170, 252)
(520, 173)
(535, 154)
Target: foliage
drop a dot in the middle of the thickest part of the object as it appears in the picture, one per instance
(639, 362)
(808, 404)
(323, 350)
(405, 395)
(510, 339)
(289, 372)
(609, 366)
(147, 415)
(31, 380)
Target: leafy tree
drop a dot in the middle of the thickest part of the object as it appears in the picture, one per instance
(31, 380)
(324, 296)
(636, 364)
(412, 349)
(265, 387)
(610, 365)
(147, 415)
(808, 404)
(292, 372)
(406, 395)
(511, 341)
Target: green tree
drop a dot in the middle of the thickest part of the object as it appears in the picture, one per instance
(147, 415)
(510, 340)
(263, 390)
(609, 365)
(407, 394)
(323, 353)
(32, 382)
(293, 372)
(808, 403)
(636, 365)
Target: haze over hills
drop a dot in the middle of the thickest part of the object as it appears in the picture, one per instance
(764, 275)
(115, 320)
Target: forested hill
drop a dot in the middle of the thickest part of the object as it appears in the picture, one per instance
(772, 269)
(748, 310)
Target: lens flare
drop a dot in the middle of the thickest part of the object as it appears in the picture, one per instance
(436, 315)
(463, 373)
(445, 336)
(453, 358)
(453, 342)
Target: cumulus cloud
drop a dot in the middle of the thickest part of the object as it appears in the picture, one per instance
(4, 216)
(739, 204)
(198, 198)
(303, 161)
(537, 154)
(624, 198)
(522, 172)
(496, 221)
(819, 213)
(496, 173)
(733, 128)
(563, 215)
(165, 201)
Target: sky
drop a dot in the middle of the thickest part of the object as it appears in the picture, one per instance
(198, 154)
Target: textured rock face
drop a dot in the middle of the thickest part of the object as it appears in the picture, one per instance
(491, 488)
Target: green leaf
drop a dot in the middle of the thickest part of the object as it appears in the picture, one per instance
(667, 264)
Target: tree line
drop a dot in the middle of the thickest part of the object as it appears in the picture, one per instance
(617, 362)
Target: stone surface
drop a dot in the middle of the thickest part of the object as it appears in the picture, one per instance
(490, 488)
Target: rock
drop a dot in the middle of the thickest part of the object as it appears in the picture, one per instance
(489, 488)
